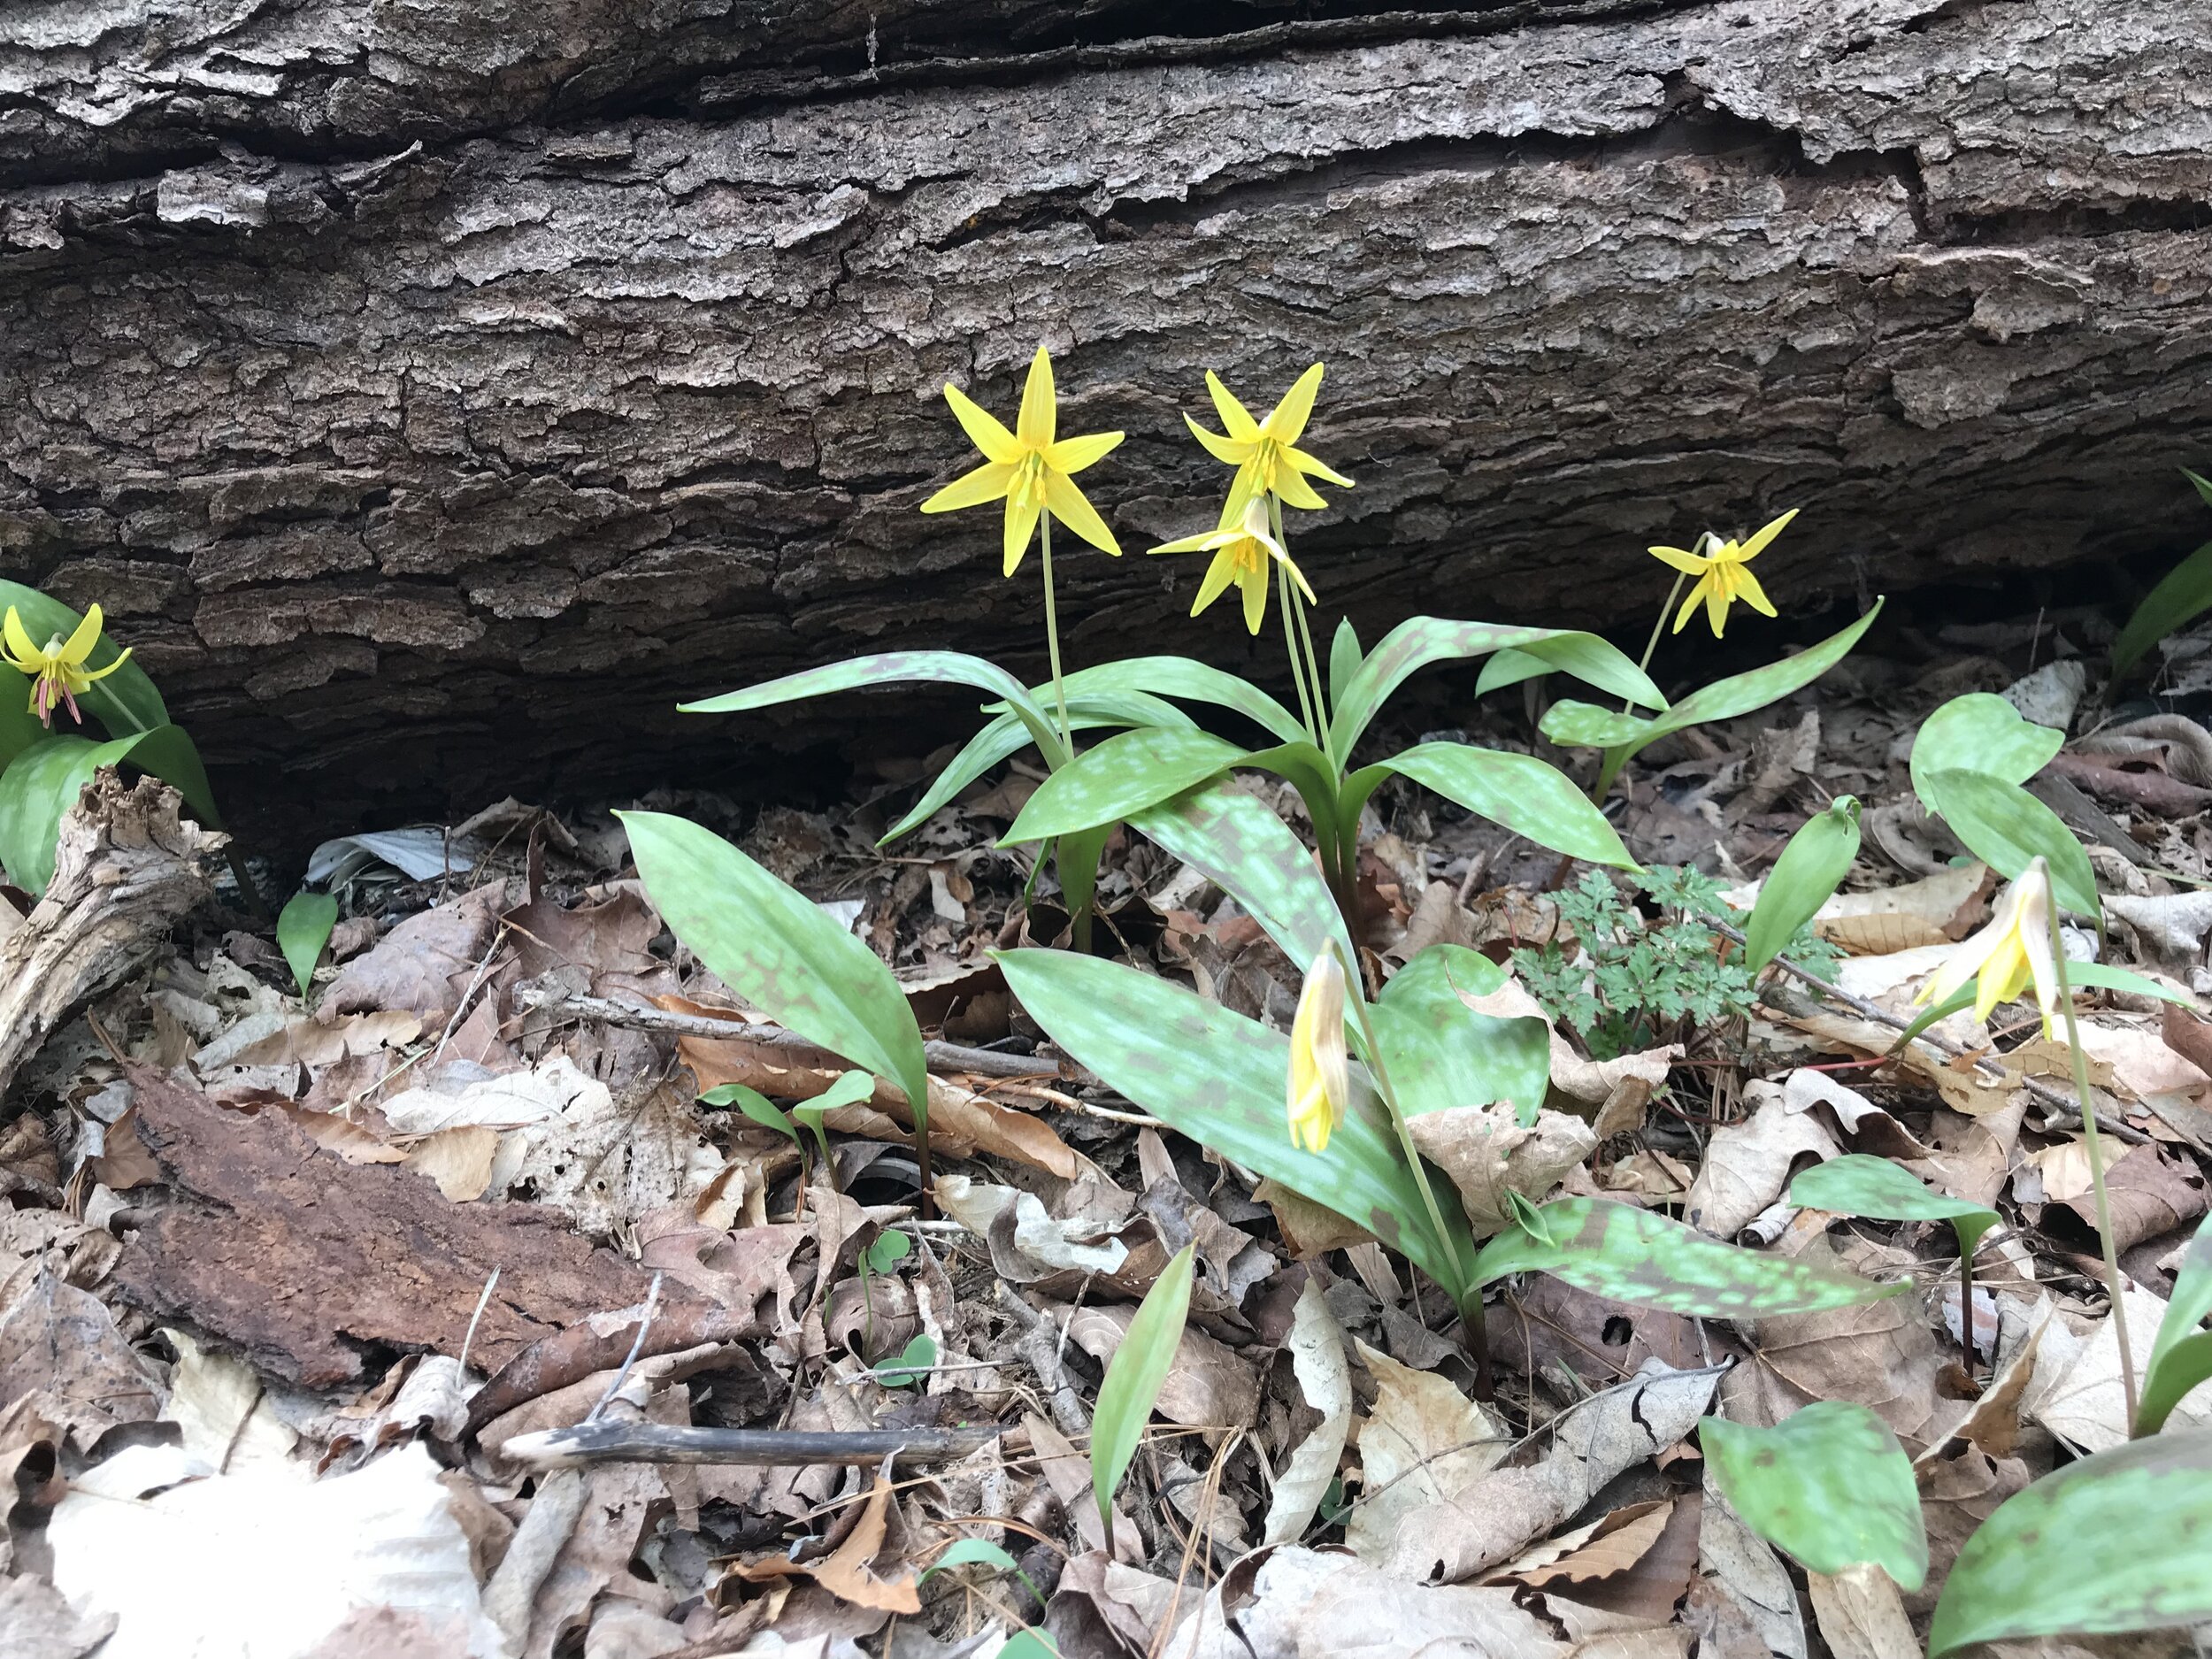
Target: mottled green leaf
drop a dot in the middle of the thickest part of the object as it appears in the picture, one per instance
(1982, 733)
(1133, 1376)
(1859, 1184)
(125, 701)
(1803, 878)
(779, 950)
(887, 668)
(1319, 782)
(1442, 1053)
(303, 927)
(1531, 797)
(20, 728)
(1582, 724)
(1830, 1484)
(43, 782)
(982, 1552)
(1192, 682)
(1419, 641)
(1345, 656)
(754, 1104)
(2119, 1542)
(1633, 1254)
(1120, 777)
(913, 1365)
(2182, 1357)
(1248, 853)
(2008, 828)
(1224, 1081)
(1509, 668)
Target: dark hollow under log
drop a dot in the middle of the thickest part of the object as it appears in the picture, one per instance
(434, 394)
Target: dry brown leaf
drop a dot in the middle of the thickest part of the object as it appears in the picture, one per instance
(1956, 1495)
(1549, 1322)
(2142, 1060)
(306, 1041)
(424, 966)
(1943, 907)
(1324, 1377)
(1743, 1570)
(1068, 1473)
(58, 1342)
(1854, 1120)
(1648, 1589)
(1860, 1615)
(1207, 1387)
(1748, 1164)
(2150, 1194)
(1612, 1543)
(1308, 1229)
(1423, 1442)
(2077, 1394)
(1488, 1153)
(460, 1160)
(1993, 1423)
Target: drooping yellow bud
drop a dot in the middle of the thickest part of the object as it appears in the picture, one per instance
(1320, 1070)
(2009, 955)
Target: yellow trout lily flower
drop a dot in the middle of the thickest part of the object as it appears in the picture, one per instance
(2009, 955)
(1265, 453)
(57, 671)
(1244, 553)
(1722, 579)
(1027, 467)
(1320, 1071)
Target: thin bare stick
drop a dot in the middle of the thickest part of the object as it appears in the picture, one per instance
(482, 1302)
(644, 1324)
(619, 1442)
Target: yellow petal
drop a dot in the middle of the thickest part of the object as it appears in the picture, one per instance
(83, 640)
(1296, 492)
(1313, 467)
(1219, 574)
(2003, 976)
(1035, 425)
(1767, 532)
(1021, 525)
(1242, 489)
(1296, 575)
(1748, 590)
(1204, 541)
(1689, 563)
(1254, 579)
(983, 427)
(988, 482)
(1286, 421)
(21, 652)
(1236, 420)
(1228, 451)
(1717, 597)
(87, 676)
(1072, 455)
(1070, 508)
(1698, 590)
(1963, 963)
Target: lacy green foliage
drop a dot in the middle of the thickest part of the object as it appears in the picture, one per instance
(2182, 1357)
(2179, 599)
(779, 950)
(1635, 1255)
(1829, 1485)
(303, 927)
(1639, 975)
(2114, 1542)
(1133, 1376)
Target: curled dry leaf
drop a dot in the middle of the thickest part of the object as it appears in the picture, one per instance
(2077, 1393)
(1937, 910)
(1862, 1615)
(849, 1571)
(1422, 1443)
(1487, 1153)
(1035, 1243)
(1744, 1567)
(1316, 1352)
(1748, 1164)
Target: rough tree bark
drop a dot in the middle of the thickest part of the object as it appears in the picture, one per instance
(438, 391)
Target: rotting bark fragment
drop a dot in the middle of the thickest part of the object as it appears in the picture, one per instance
(313, 1267)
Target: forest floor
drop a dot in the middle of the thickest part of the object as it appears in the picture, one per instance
(286, 1280)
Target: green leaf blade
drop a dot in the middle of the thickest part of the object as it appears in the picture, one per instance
(1243, 849)
(779, 950)
(2181, 1357)
(2114, 1542)
(1982, 733)
(1829, 1485)
(2008, 828)
(1803, 878)
(303, 928)
(1531, 797)
(2182, 596)
(887, 668)
(1858, 1184)
(1442, 1053)
(1223, 1080)
(1192, 682)
(1636, 1255)
(1120, 777)
(1134, 1378)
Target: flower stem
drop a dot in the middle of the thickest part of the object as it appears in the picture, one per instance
(1294, 601)
(1652, 644)
(1052, 636)
(2092, 1140)
(1966, 1310)
(1290, 645)
(1468, 1297)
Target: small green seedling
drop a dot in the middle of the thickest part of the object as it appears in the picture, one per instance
(982, 1552)
(1803, 878)
(303, 929)
(1134, 1378)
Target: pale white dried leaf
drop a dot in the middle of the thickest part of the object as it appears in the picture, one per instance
(1316, 1356)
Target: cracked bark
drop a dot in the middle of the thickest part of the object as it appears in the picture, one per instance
(433, 395)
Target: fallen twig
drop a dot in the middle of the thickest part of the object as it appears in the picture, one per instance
(948, 1058)
(619, 1442)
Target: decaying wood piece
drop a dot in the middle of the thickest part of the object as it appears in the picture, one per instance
(126, 871)
(310, 1266)
(615, 1441)
(403, 378)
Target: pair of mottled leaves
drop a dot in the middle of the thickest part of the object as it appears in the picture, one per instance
(45, 771)
(1969, 761)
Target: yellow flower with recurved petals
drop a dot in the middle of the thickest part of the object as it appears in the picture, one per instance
(1244, 553)
(1320, 1071)
(2009, 955)
(1028, 467)
(1265, 453)
(57, 671)
(1722, 579)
